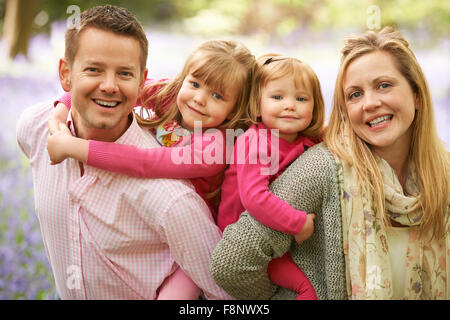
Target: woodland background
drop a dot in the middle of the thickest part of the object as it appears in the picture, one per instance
(32, 41)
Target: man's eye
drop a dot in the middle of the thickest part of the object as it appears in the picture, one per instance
(125, 73)
(92, 69)
(217, 96)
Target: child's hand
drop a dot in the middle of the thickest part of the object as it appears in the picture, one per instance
(62, 145)
(308, 229)
(58, 144)
(59, 115)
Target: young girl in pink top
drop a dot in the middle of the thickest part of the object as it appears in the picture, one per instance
(211, 92)
(285, 96)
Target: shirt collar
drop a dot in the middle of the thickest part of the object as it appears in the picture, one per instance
(69, 123)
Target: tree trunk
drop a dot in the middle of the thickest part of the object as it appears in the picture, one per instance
(17, 26)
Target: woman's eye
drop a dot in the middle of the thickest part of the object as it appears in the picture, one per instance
(385, 85)
(278, 97)
(354, 95)
(216, 95)
(195, 84)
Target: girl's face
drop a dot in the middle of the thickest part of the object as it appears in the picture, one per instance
(379, 101)
(198, 102)
(286, 107)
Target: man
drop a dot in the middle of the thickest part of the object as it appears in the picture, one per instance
(109, 236)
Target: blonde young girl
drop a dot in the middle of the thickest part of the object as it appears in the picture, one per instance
(212, 90)
(285, 96)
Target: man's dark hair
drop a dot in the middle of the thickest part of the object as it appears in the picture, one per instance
(108, 18)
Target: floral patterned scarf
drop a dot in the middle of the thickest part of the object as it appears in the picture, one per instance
(366, 249)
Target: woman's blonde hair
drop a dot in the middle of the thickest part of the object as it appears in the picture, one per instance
(427, 151)
(275, 66)
(221, 65)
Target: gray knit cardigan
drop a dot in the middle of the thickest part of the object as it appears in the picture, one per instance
(239, 262)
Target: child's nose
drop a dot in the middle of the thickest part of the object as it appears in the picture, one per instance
(200, 98)
(289, 105)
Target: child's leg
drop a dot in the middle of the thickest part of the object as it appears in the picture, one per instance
(284, 272)
(178, 286)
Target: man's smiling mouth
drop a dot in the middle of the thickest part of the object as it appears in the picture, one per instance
(106, 104)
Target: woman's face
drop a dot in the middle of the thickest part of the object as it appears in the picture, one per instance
(379, 101)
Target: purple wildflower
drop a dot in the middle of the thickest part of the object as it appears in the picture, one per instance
(417, 287)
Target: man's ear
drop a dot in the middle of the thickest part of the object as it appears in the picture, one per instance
(64, 74)
(143, 78)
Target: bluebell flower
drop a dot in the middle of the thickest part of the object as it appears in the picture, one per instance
(417, 287)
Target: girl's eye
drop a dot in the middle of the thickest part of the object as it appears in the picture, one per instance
(278, 97)
(217, 96)
(195, 84)
(301, 99)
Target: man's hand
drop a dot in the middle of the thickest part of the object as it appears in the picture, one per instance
(308, 229)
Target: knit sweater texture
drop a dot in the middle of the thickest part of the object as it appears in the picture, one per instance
(239, 262)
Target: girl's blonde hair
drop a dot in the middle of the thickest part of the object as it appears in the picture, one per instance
(221, 65)
(275, 66)
(427, 151)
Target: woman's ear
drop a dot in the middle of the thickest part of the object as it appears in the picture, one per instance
(417, 103)
(64, 74)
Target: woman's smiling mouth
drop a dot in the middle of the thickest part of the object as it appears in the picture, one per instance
(379, 121)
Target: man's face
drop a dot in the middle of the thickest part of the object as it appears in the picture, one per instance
(105, 80)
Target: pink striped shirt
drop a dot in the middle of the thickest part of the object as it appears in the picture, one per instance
(110, 236)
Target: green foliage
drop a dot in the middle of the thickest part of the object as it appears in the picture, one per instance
(145, 11)
(284, 16)
(271, 16)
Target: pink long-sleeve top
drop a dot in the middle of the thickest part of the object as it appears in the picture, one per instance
(246, 188)
(206, 176)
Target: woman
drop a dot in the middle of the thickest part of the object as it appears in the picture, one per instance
(379, 186)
